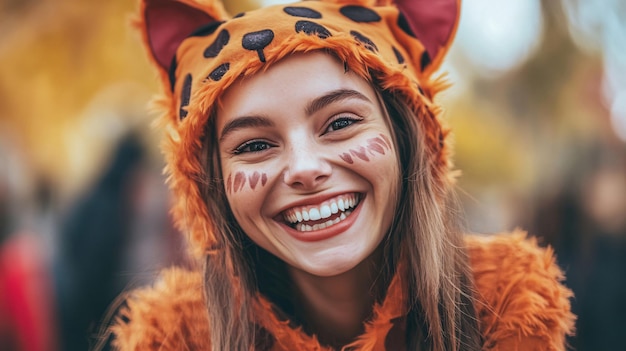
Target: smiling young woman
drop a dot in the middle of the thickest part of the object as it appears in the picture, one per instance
(312, 177)
(297, 138)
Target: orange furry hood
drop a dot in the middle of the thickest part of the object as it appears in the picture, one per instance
(200, 51)
(521, 305)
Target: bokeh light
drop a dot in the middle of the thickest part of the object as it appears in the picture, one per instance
(498, 36)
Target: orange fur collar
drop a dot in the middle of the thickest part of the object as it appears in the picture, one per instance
(521, 305)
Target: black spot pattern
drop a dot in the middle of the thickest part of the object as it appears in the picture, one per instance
(359, 13)
(399, 56)
(217, 45)
(263, 339)
(185, 96)
(424, 60)
(172, 73)
(240, 14)
(310, 28)
(206, 29)
(257, 41)
(404, 25)
(302, 12)
(396, 337)
(364, 40)
(219, 72)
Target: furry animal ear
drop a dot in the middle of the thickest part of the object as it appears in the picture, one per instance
(434, 23)
(166, 23)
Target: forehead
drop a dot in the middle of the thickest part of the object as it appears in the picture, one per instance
(290, 84)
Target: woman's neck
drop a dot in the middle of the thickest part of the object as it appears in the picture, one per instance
(334, 308)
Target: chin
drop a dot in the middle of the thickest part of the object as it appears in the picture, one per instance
(332, 264)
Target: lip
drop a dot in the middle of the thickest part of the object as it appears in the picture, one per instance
(326, 233)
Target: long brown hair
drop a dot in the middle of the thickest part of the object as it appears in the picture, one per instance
(424, 235)
(427, 236)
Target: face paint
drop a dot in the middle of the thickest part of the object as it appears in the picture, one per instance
(229, 184)
(360, 153)
(346, 157)
(374, 145)
(386, 140)
(377, 144)
(253, 179)
(239, 182)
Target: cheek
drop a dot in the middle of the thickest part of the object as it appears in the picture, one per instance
(245, 191)
(241, 181)
(368, 150)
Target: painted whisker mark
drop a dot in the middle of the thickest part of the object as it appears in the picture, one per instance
(346, 157)
(229, 184)
(377, 145)
(239, 182)
(386, 140)
(360, 153)
(253, 179)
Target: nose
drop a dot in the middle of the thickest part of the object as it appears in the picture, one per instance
(306, 167)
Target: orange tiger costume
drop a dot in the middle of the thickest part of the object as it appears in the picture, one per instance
(200, 51)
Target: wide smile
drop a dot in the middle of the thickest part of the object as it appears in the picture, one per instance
(328, 213)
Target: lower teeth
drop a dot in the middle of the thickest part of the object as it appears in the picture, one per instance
(302, 227)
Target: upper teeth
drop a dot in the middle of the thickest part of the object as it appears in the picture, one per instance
(324, 210)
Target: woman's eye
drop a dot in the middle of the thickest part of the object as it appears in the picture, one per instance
(252, 146)
(341, 123)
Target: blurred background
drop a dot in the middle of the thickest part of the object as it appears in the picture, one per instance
(537, 106)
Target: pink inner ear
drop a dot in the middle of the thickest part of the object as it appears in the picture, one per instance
(432, 21)
(168, 23)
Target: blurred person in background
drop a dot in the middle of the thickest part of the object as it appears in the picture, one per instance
(114, 235)
(27, 309)
(585, 219)
(92, 237)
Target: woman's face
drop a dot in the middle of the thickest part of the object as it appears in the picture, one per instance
(309, 167)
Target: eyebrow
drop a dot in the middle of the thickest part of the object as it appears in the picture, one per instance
(245, 122)
(312, 107)
(331, 97)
